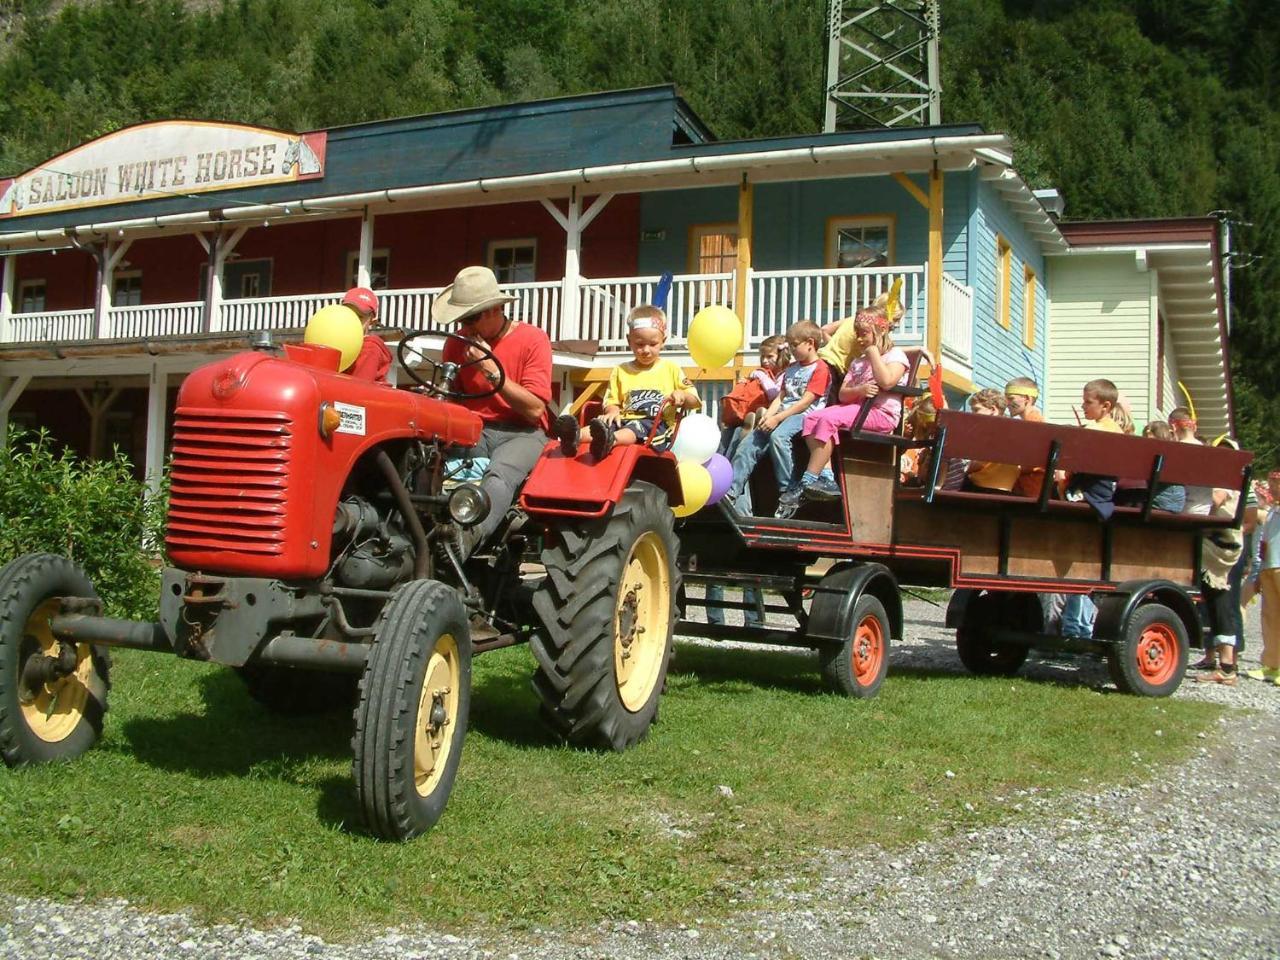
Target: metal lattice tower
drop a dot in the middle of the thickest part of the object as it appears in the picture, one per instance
(882, 64)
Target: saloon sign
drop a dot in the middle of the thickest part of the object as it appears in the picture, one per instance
(166, 159)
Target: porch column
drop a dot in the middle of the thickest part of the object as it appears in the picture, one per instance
(157, 407)
(363, 273)
(742, 277)
(96, 404)
(10, 390)
(6, 297)
(573, 224)
(219, 247)
(108, 260)
(934, 299)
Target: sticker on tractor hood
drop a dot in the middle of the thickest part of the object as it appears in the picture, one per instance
(352, 418)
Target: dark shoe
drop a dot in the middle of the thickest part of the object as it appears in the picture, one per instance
(824, 488)
(565, 429)
(1206, 663)
(601, 438)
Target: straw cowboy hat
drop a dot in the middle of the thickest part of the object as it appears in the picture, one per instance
(474, 290)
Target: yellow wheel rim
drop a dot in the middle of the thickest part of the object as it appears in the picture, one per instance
(641, 621)
(437, 715)
(54, 710)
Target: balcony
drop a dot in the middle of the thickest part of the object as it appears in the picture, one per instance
(775, 300)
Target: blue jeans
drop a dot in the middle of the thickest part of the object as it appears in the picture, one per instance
(715, 593)
(1077, 616)
(753, 446)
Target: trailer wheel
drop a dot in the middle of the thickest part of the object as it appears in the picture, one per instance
(977, 651)
(1150, 658)
(607, 611)
(42, 720)
(411, 718)
(858, 666)
(298, 693)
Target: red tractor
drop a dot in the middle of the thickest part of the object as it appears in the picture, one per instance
(313, 533)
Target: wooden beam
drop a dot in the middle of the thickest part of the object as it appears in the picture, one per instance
(934, 297)
(585, 397)
(909, 185)
(953, 379)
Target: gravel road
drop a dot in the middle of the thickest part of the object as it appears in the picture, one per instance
(1143, 872)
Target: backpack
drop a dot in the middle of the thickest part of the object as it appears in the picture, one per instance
(741, 400)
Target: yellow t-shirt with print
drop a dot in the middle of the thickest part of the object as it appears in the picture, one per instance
(639, 391)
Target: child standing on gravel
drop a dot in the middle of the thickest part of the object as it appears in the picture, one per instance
(1267, 583)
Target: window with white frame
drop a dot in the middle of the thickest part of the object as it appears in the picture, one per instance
(31, 296)
(860, 241)
(126, 288)
(514, 261)
(379, 269)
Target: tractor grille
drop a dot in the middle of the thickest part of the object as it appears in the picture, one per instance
(229, 479)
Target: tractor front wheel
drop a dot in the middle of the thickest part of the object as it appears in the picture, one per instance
(52, 695)
(607, 607)
(412, 715)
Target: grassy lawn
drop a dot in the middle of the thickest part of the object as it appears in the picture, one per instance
(196, 797)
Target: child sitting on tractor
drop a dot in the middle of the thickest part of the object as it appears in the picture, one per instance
(636, 393)
(804, 388)
(984, 476)
(880, 366)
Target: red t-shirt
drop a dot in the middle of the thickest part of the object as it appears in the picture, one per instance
(373, 361)
(525, 354)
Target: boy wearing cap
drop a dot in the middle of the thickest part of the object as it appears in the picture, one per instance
(374, 361)
(515, 417)
(637, 390)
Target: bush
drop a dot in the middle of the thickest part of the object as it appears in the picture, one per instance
(92, 511)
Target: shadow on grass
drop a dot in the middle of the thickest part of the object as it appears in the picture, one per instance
(505, 708)
(734, 669)
(234, 735)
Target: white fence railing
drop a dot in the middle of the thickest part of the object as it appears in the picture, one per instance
(52, 325)
(604, 304)
(775, 300)
(781, 297)
(957, 319)
(156, 320)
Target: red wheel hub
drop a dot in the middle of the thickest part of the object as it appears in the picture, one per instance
(868, 651)
(1157, 654)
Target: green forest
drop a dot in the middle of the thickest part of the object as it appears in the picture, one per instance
(1133, 108)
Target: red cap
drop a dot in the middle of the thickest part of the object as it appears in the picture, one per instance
(363, 299)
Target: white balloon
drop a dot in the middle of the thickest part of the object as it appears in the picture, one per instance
(698, 439)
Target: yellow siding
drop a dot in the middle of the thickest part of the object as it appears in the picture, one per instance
(1101, 324)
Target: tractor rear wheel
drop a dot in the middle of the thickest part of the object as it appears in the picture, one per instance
(45, 713)
(412, 715)
(607, 607)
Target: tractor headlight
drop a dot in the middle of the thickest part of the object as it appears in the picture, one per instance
(468, 504)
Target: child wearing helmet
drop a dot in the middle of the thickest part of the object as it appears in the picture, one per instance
(374, 361)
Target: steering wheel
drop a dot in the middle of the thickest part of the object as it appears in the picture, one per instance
(440, 377)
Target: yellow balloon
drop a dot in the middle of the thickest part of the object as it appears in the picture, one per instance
(339, 327)
(714, 336)
(695, 481)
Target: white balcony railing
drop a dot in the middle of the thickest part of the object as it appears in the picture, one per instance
(957, 319)
(52, 325)
(781, 297)
(604, 305)
(775, 300)
(156, 320)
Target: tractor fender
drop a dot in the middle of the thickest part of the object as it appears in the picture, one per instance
(1116, 609)
(835, 596)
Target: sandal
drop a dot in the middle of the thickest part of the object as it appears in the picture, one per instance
(602, 438)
